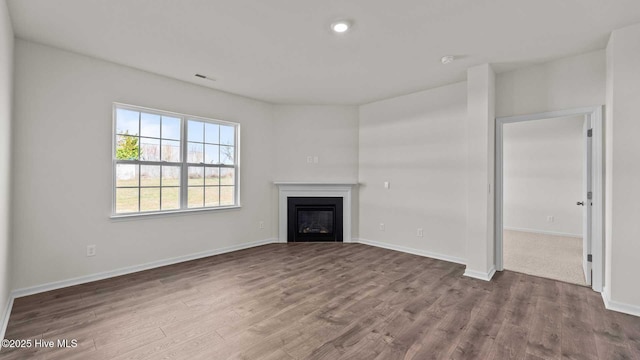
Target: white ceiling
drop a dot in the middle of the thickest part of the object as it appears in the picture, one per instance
(282, 51)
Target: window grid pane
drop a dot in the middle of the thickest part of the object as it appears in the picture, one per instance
(196, 153)
(150, 199)
(170, 198)
(170, 176)
(127, 200)
(149, 175)
(127, 175)
(195, 197)
(212, 176)
(170, 128)
(211, 196)
(196, 175)
(149, 125)
(170, 150)
(227, 195)
(227, 176)
(127, 147)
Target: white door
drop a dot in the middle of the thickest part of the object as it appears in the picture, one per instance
(586, 202)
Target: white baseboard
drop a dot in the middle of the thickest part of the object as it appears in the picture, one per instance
(470, 273)
(5, 316)
(544, 232)
(486, 276)
(132, 269)
(409, 250)
(618, 306)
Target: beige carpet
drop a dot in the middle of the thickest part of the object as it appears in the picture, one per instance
(549, 256)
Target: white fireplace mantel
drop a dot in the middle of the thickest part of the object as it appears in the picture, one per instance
(314, 189)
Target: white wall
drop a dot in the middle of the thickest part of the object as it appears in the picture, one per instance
(567, 83)
(543, 175)
(623, 170)
(6, 99)
(328, 133)
(416, 142)
(63, 168)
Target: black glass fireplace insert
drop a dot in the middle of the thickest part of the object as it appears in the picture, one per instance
(314, 219)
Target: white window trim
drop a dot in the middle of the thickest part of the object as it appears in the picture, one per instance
(183, 164)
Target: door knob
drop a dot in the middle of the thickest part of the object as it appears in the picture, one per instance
(581, 203)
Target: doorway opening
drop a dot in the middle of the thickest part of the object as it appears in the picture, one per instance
(549, 195)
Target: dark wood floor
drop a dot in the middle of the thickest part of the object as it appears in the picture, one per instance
(322, 301)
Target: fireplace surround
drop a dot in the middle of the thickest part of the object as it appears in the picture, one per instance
(317, 190)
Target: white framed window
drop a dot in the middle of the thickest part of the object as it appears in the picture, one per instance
(169, 162)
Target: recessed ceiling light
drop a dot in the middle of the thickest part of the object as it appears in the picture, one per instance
(341, 26)
(447, 59)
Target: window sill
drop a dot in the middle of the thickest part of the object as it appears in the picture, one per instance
(145, 215)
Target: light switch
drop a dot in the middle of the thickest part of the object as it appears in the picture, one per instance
(386, 185)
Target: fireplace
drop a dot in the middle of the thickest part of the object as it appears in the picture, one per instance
(314, 219)
(315, 190)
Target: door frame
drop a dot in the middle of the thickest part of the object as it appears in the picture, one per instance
(587, 207)
(595, 115)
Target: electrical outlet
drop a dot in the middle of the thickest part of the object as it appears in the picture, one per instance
(261, 224)
(550, 219)
(309, 159)
(419, 233)
(381, 226)
(91, 250)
